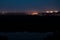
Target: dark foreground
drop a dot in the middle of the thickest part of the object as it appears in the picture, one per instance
(29, 23)
(24, 27)
(29, 36)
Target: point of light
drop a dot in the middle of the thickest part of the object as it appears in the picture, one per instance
(51, 11)
(35, 13)
(56, 11)
(3, 12)
(32, 12)
(47, 12)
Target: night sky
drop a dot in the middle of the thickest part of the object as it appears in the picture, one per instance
(22, 5)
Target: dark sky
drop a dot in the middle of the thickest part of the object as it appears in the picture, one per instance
(22, 5)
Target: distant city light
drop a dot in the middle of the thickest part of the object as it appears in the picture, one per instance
(56, 11)
(47, 12)
(35, 13)
(51, 11)
(3, 12)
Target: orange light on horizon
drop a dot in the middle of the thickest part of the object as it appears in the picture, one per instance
(35, 13)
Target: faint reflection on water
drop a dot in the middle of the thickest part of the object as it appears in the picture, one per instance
(25, 35)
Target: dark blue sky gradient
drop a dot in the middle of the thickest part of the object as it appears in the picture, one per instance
(22, 5)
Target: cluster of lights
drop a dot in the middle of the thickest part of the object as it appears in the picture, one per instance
(33, 12)
(51, 11)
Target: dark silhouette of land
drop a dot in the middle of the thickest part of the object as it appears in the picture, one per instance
(11, 22)
(24, 22)
(3, 38)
